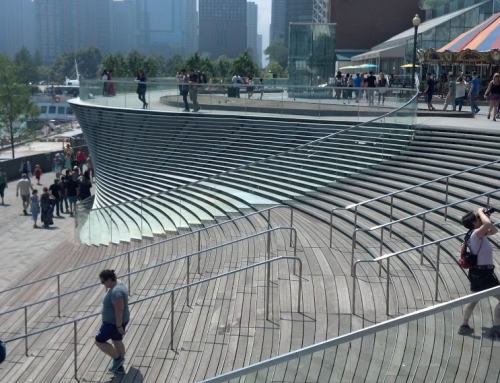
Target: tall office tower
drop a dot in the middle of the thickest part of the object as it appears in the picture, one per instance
(50, 18)
(223, 29)
(278, 29)
(123, 28)
(17, 26)
(259, 50)
(93, 24)
(252, 21)
(190, 26)
(298, 11)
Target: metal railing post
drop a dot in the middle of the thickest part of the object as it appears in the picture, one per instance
(353, 291)
(294, 249)
(199, 249)
(268, 219)
(437, 270)
(187, 279)
(172, 296)
(268, 289)
(268, 249)
(26, 329)
(355, 217)
(387, 288)
(58, 296)
(423, 239)
(331, 228)
(75, 350)
(380, 250)
(130, 276)
(352, 250)
(300, 283)
(291, 225)
(446, 199)
(390, 218)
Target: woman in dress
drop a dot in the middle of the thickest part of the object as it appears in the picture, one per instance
(35, 207)
(104, 79)
(493, 92)
(46, 208)
(141, 88)
(111, 84)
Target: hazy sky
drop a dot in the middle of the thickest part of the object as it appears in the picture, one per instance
(264, 22)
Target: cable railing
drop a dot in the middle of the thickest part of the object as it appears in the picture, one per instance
(421, 214)
(388, 257)
(172, 293)
(355, 206)
(196, 233)
(403, 116)
(350, 337)
(187, 258)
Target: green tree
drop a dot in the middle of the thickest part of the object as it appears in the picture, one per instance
(135, 61)
(26, 67)
(173, 64)
(277, 51)
(275, 67)
(88, 60)
(200, 63)
(223, 68)
(16, 106)
(117, 63)
(244, 65)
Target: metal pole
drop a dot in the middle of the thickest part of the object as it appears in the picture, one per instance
(268, 245)
(172, 321)
(437, 270)
(58, 296)
(387, 288)
(295, 251)
(331, 227)
(423, 239)
(291, 225)
(187, 280)
(75, 340)
(390, 218)
(130, 276)
(355, 217)
(380, 251)
(268, 219)
(26, 329)
(352, 252)
(268, 290)
(300, 284)
(446, 199)
(414, 58)
(353, 291)
(199, 249)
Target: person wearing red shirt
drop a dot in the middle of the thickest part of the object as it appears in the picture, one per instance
(80, 157)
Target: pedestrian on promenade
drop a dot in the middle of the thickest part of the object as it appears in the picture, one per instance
(183, 79)
(474, 92)
(63, 200)
(460, 96)
(429, 91)
(67, 161)
(72, 193)
(69, 151)
(84, 187)
(90, 167)
(57, 164)
(55, 193)
(452, 93)
(35, 207)
(370, 83)
(382, 87)
(141, 88)
(261, 87)
(115, 317)
(23, 188)
(493, 94)
(3, 185)
(46, 208)
(481, 277)
(80, 157)
(357, 84)
(37, 173)
(104, 79)
(25, 168)
(194, 81)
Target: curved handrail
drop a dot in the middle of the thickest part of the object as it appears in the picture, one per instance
(423, 213)
(172, 291)
(257, 162)
(129, 274)
(163, 241)
(397, 253)
(392, 194)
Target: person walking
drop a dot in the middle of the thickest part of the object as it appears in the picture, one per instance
(111, 84)
(141, 88)
(493, 94)
(25, 168)
(261, 87)
(23, 188)
(104, 79)
(452, 93)
(84, 187)
(429, 91)
(57, 164)
(194, 82)
(63, 200)
(474, 92)
(35, 207)
(38, 174)
(370, 83)
(90, 167)
(55, 191)
(72, 193)
(184, 88)
(3, 185)
(459, 100)
(382, 87)
(115, 317)
(482, 276)
(80, 157)
(46, 208)
(357, 84)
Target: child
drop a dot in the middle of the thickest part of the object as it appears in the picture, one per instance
(38, 174)
(35, 207)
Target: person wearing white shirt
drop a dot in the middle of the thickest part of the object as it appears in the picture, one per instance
(460, 95)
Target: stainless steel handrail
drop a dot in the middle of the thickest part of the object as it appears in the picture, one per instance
(423, 214)
(172, 292)
(312, 143)
(129, 274)
(356, 205)
(352, 336)
(163, 241)
(395, 254)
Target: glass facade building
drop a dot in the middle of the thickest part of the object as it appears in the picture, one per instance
(311, 57)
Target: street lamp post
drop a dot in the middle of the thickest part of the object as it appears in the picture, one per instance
(416, 23)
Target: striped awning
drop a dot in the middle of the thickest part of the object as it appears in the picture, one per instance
(483, 38)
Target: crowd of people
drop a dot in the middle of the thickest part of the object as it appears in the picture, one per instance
(71, 183)
(359, 82)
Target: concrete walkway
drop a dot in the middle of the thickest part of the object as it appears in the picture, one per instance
(22, 246)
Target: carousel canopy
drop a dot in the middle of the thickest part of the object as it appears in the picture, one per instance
(483, 38)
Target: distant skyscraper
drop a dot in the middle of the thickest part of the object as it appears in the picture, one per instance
(259, 50)
(252, 22)
(190, 26)
(94, 25)
(297, 11)
(278, 29)
(17, 26)
(223, 28)
(123, 31)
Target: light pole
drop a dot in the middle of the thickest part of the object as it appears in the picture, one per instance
(416, 23)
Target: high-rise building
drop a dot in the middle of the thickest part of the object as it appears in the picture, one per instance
(93, 26)
(17, 26)
(259, 50)
(123, 29)
(190, 26)
(252, 22)
(298, 11)
(223, 29)
(278, 28)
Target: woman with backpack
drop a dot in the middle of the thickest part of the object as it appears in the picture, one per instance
(482, 275)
